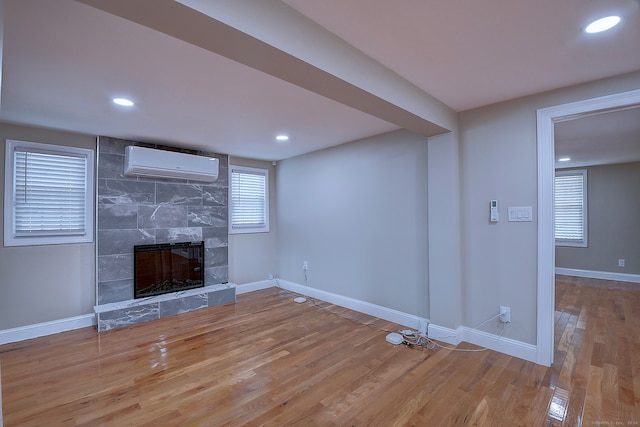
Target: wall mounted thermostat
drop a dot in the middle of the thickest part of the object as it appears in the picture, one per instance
(494, 216)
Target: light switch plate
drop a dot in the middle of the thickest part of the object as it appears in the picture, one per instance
(520, 213)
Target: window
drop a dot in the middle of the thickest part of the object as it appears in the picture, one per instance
(48, 194)
(571, 208)
(249, 207)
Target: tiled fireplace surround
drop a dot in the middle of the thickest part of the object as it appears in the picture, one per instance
(138, 211)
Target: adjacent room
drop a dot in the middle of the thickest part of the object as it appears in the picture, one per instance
(283, 212)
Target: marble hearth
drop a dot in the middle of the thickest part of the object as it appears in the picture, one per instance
(122, 313)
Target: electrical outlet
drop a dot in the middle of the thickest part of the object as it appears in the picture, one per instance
(305, 265)
(620, 263)
(505, 314)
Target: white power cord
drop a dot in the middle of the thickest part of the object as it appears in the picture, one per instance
(410, 338)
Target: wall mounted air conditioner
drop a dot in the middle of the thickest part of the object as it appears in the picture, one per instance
(148, 162)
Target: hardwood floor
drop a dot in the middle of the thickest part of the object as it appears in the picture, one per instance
(268, 361)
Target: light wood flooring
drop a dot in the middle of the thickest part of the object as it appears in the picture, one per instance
(268, 361)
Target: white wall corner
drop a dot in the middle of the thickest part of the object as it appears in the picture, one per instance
(448, 335)
(255, 286)
(47, 328)
(444, 225)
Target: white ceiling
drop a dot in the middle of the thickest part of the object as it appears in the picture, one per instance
(605, 138)
(474, 53)
(230, 81)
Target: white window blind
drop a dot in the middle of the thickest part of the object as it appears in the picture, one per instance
(571, 208)
(50, 194)
(249, 200)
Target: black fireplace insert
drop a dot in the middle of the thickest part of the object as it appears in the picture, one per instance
(168, 267)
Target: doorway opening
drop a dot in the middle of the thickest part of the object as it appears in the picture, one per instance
(546, 120)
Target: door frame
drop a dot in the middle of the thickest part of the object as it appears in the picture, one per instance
(546, 119)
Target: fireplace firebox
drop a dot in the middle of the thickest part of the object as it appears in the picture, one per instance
(168, 267)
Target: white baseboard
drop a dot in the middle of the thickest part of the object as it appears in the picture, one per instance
(450, 336)
(606, 275)
(484, 339)
(47, 328)
(440, 333)
(500, 344)
(389, 314)
(254, 286)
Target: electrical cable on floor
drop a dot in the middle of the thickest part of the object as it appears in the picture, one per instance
(476, 327)
(471, 350)
(410, 338)
(413, 339)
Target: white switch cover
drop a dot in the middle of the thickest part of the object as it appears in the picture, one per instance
(520, 214)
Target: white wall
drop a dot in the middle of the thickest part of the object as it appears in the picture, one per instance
(44, 283)
(358, 214)
(445, 264)
(499, 259)
(613, 203)
(498, 158)
(252, 256)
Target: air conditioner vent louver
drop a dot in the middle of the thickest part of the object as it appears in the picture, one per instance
(148, 162)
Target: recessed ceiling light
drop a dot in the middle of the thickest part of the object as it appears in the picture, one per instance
(602, 24)
(123, 101)
(282, 137)
(564, 159)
